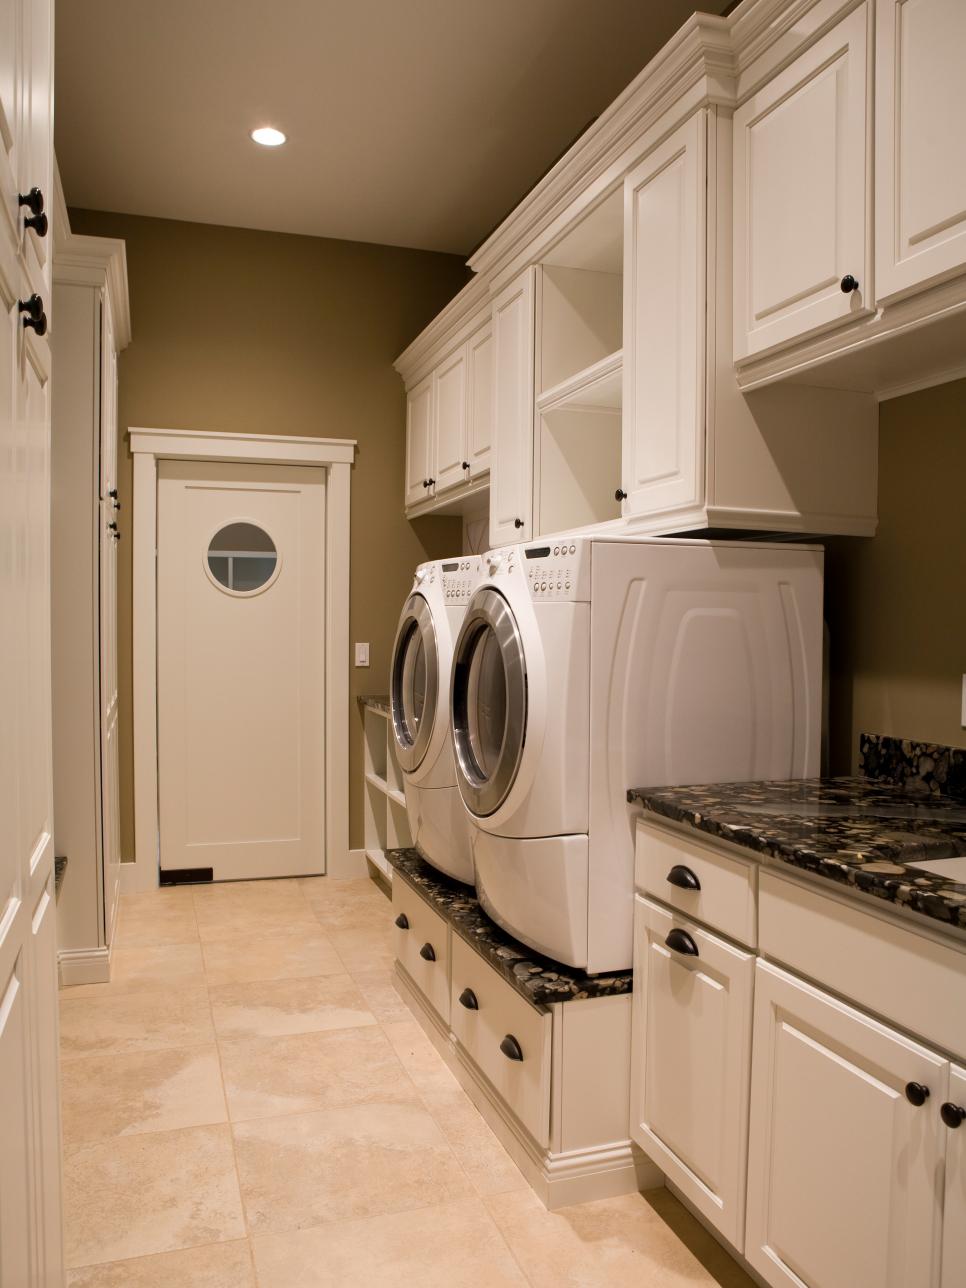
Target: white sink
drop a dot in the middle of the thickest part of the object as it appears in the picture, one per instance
(953, 869)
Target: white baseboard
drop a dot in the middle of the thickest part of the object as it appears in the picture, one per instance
(345, 867)
(84, 966)
(579, 1176)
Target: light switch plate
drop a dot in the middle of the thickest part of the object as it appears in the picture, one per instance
(362, 654)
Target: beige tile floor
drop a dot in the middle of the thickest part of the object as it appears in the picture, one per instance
(249, 1103)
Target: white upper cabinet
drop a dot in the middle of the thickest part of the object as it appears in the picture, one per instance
(802, 261)
(479, 414)
(664, 325)
(419, 432)
(449, 422)
(511, 466)
(920, 154)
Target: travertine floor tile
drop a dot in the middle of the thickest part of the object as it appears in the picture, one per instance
(272, 1008)
(298, 952)
(151, 967)
(216, 1265)
(245, 919)
(135, 1195)
(268, 1077)
(364, 950)
(361, 1160)
(483, 1158)
(420, 1058)
(119, 1095)
(134, 1022)
(454, 1245)
(347, 905)
(380, 993)
(158, 917)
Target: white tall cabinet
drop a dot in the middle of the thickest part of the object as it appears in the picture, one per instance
(93, 325)
(31, 1251)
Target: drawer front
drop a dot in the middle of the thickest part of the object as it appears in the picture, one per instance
(422, 946)
(723, 896)
(691, 1060)
(501, 1016)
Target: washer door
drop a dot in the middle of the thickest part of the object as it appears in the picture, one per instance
(414, 684)
(488, 702)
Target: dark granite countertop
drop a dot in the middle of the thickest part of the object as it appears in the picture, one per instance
(859, 832)
(536, 978)
(376, 701)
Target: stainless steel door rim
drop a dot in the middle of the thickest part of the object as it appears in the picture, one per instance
(412, 700)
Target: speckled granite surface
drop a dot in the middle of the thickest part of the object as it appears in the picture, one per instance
(859, 832)
(919, 768)
(377, 701)
(536, 978)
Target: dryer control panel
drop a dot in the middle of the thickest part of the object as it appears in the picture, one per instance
(557, 570)
(460, 578)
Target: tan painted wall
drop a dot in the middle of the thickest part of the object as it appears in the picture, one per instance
(896, 605)
(253, 332)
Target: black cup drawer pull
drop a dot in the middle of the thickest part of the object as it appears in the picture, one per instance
(952, 1115)
(428, 953)
(511, 1048)
(402, 921)
(681, 942)
(683, 878)
(916, 1093)
(468, 999)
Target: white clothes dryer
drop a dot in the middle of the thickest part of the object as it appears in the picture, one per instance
(419, 711)
(589, 665)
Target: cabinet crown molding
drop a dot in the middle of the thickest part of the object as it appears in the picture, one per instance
(92, 261)
(456, 322)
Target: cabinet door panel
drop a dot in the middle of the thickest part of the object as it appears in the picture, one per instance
(692, 1047)
(841, 1167)
(664, 325)
(419, 433)
(480, 400)
(920, 143)
(800, 181)
(449, 435)
(511, 465)
(954, 1209)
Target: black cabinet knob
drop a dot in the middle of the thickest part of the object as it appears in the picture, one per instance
(112, 493)
(112, 527)
(428, 953)
(518, 523)
(430, 482)
(849, 284)
(683, 878)
(33, 200)
(117, 536)
(33, 307)
(466, 465)
(37, 324)
(468, 999)
(952, 1115)
(402, 921)
(916, 1093)
(681, 942)
(511, 1048)
(620, 495)
(38, 223)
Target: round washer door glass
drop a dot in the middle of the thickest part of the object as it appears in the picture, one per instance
(242, 557)
(414, 682)
(489, 703)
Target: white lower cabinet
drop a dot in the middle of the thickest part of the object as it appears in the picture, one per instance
(422, 946)
(953, 1113)
(843, 1166)
(691, 1060)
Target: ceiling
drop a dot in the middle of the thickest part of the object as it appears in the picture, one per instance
(414, 123)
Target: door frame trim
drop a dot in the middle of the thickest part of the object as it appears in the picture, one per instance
(335, 456)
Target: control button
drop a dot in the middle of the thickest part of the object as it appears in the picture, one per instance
(567, 586)
(573, 550)
(543, 585)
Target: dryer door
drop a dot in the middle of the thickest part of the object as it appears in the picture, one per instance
(414, 683)
(488, 702)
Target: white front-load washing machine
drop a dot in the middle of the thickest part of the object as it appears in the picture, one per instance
(587, 666)
(419, 705)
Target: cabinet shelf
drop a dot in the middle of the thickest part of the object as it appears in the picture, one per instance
(397, 796)
(379, 783)
(595, 388)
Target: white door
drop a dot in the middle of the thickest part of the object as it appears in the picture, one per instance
(800, 186)
(692, 1048)
(842, 1166)
(31, 1251)
(664, 325)
(109, 536)
(240, 668)
(449, 432)
(479, 416)
(920, 143)
(511, 464)
(419, 434)
(954, 1208)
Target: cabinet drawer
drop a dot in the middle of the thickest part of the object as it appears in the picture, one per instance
(501, 1016)
(422, 946)
(725, 895)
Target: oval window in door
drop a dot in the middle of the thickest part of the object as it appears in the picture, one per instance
(242, 558)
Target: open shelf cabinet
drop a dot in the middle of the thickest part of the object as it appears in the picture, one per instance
(386, 823)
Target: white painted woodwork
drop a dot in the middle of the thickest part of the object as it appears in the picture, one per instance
(511, 463)
(801, 179)
(241, 678)
(419, 437)
(920, 144)
(863, 955)
(385, 816)
(691, 1071)
(842, 1169)
(580, 321)
(590, 1096)
(954, 1201)
(31, 1250)
(664, 325)
(479, 399)
(425, 931)
(726, 899)
(449, 422)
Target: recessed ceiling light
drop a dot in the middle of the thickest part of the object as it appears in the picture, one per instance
(268, 137)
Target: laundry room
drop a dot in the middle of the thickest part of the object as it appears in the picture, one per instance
(484, 740)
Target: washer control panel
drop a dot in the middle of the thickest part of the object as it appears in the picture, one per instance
(557, 570)
(460, 578)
